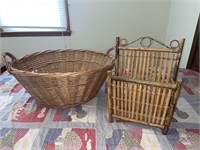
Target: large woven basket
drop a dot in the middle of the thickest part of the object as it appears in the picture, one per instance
(61, 78)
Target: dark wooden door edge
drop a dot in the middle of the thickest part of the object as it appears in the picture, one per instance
(194, 43)
(3, 68)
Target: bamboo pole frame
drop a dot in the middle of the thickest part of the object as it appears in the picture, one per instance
(157, 84)
(148, 49)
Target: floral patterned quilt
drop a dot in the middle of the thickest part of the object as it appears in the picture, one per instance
(26, 126)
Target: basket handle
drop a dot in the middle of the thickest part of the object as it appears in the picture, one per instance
(110, 49)
(5, 62)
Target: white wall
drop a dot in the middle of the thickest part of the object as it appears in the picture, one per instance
(182, 24)
(96, 23)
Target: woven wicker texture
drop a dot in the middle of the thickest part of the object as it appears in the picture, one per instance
(61, 78)
(144, 87)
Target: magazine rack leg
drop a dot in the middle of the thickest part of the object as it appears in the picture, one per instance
(110, 110)
(172, 107)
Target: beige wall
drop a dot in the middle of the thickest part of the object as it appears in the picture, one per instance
(182, 24)
(96, 23)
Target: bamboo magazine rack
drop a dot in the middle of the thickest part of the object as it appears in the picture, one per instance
(144, 86)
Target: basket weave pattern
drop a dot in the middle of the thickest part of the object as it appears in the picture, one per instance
(61, 78)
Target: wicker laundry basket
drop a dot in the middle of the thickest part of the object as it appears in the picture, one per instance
(61, 78)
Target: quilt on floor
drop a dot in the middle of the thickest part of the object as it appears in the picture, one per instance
(24, 125)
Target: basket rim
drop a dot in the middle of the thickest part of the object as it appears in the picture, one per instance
(28, 73)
